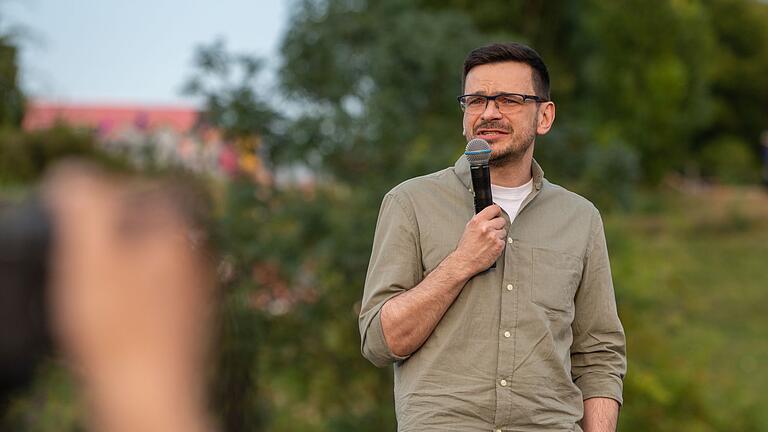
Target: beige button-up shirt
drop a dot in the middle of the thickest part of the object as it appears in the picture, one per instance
(522, 345)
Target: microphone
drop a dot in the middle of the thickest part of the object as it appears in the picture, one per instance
(478, 153)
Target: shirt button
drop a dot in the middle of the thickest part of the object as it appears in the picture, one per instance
(510, 287)
(507, 334)
(503, 383)
(509, 240)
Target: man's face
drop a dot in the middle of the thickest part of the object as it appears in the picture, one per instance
(511, 135)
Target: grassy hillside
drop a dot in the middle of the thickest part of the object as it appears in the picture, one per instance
(691, 274)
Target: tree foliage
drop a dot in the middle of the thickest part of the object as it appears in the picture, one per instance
(24, 156)
(11, 97)
(375, 82)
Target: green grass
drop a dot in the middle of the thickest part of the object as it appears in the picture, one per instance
(691, 276)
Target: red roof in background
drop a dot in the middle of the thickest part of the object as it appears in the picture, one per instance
(43, 115)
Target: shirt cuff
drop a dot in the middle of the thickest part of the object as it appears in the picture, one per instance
(601, 385)
(376, 349)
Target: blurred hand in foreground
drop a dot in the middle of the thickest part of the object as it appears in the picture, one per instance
(131, 297)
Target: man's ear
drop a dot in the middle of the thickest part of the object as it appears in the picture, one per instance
(546, 117)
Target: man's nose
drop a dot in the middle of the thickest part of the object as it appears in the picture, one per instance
(491, 111)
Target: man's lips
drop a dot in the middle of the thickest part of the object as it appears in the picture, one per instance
(491, 133)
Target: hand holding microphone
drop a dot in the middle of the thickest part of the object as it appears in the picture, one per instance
(482, 241)
(483, 238)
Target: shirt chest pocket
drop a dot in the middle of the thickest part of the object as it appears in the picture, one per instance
(555, 278)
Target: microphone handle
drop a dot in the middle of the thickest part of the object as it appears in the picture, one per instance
(481, 184)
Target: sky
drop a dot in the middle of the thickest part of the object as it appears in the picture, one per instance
(131, 51)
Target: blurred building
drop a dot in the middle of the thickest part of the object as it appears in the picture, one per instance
(109, 119)
(161, 135)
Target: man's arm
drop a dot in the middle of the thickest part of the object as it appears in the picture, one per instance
(409, 318)
(600, 415)
(598, 352)
(400, 308)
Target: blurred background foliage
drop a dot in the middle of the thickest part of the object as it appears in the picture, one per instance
(660, 106)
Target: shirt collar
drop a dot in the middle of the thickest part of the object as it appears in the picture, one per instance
(461, 168)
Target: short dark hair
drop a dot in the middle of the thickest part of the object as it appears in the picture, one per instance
(514, 52)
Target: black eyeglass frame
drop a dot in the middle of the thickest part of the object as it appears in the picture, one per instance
(525, 97)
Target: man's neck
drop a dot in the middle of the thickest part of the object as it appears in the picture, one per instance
(513, 173)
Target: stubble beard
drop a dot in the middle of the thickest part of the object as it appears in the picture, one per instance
(514, 152)
(516, 149)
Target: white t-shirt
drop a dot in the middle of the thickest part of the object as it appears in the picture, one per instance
(510, 199)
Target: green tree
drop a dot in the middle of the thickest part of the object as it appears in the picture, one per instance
(739, 62)
(645, 78)
(376, 84)
(11, 97)
(228, 83)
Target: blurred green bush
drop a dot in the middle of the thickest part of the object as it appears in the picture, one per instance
(24, 156)
(730, 159)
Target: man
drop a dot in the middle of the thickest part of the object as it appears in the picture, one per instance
(532, 345)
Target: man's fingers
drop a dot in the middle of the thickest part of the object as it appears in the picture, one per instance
(497, 222)
(489, 212)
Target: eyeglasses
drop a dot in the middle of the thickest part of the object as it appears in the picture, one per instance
(506, 103)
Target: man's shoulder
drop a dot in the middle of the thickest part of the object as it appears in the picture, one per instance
(442, 181)
(561, 196)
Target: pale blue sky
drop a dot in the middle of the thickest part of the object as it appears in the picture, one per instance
(131, 51)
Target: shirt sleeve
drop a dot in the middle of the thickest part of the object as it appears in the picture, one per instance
(598, 353)
(395, 266)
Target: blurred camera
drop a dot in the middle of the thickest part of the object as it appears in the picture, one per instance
(25, 337)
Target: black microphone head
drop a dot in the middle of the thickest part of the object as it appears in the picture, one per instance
(478, 152)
